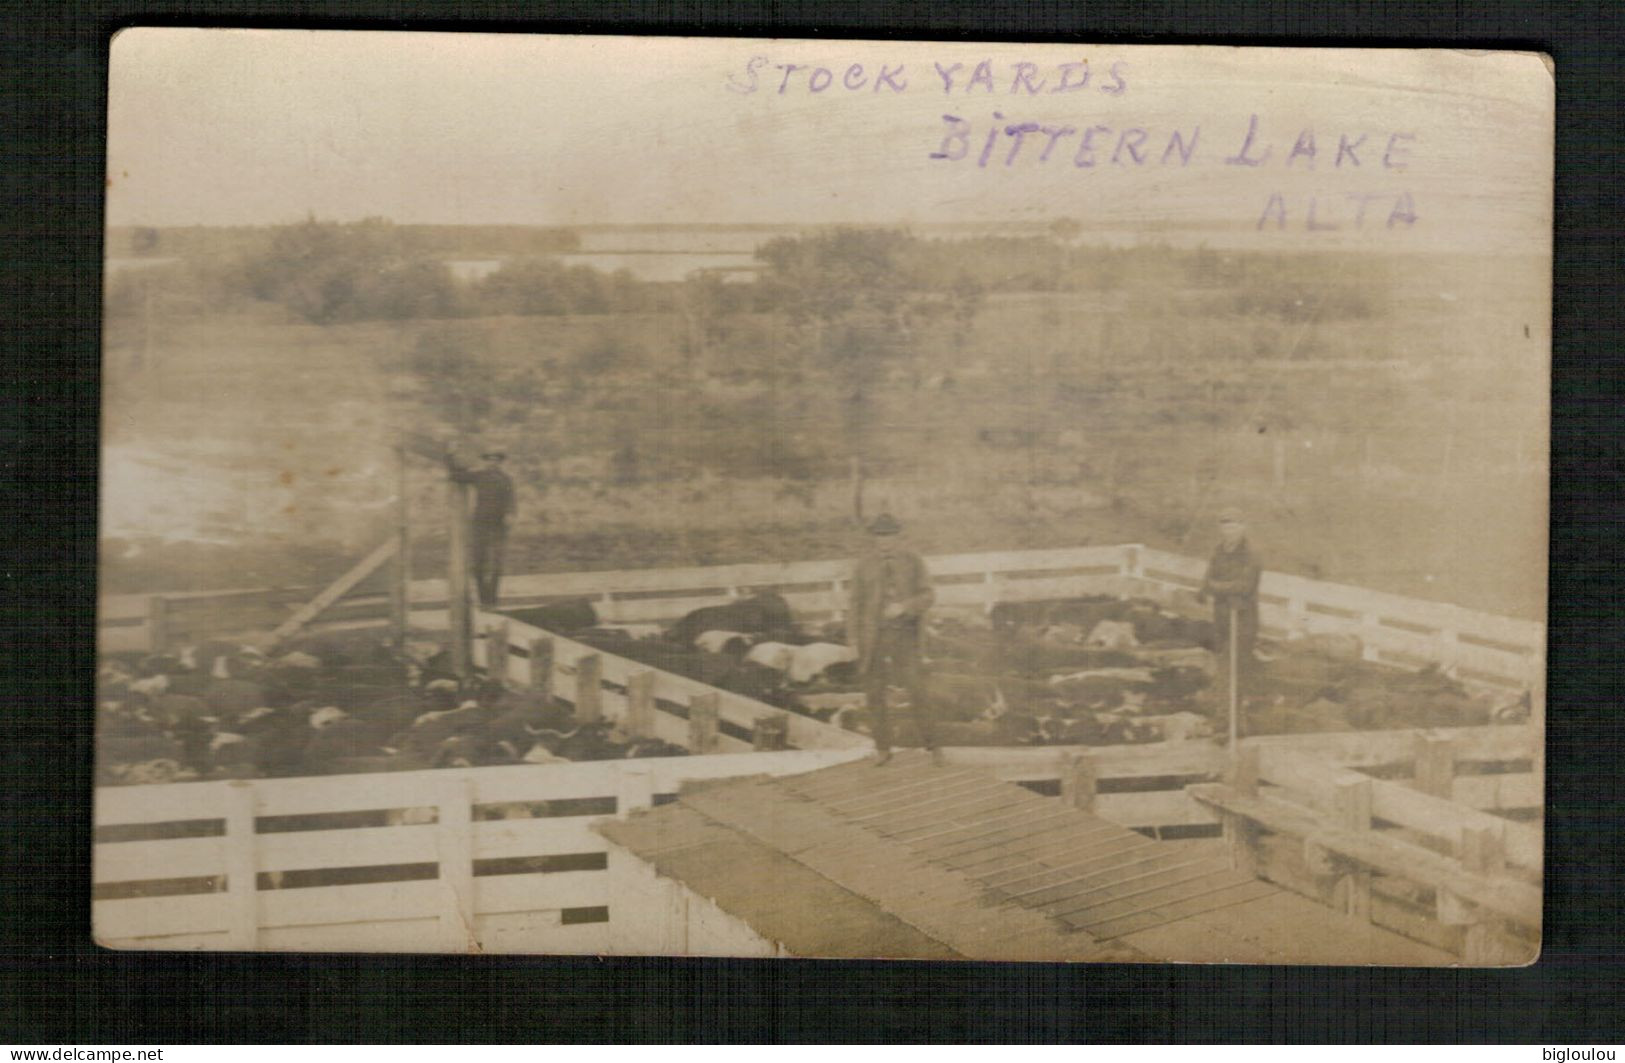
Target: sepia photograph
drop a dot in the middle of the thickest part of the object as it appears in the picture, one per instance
(823, 498)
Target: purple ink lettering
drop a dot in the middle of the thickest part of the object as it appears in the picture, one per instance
(812, 80)
(1018, 134)
(1240, 158)
(1388, 160)
(1085, 157)
(734, 85)
(1279, 206)
(1304, 146)
(947, 76)
(857, 70)
(887, 76)
(788, 68)
(1404, 210)
(1054, 133)
(1117, 75)
(1344, 147)
(958, 134)
(992, 135)
(1185, 150)
(1130, 138)
(1310, 223)
(1066, 84)
(983, 73)
(1024, 76)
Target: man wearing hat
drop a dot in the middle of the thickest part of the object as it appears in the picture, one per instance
(493, 512)
(889, 594)
(1232, 582)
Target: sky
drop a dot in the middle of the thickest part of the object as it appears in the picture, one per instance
(261, 126)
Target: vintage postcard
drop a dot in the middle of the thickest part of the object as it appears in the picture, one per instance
(753, 497)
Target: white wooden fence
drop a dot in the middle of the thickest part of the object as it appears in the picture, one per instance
(420, 864)
(1481, 648)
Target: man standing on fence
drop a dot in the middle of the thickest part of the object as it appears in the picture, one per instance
(1232, 582)
(888, 597)
(493, 512)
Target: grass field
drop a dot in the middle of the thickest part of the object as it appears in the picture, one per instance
(1404, 449)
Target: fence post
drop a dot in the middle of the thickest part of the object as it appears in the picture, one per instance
(636, 789)
(1351, 808)
(770, 733)
(702, 722)
(157, 623)
(1435, 765)
(541, 666)
(640, 704)
(454, 845)
(1244, 772)
(1079, 781)
(990, 592)
(589, 692)
(242, 864)
(496, 652)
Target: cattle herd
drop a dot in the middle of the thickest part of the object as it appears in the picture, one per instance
(1089, 670)
(327, 704)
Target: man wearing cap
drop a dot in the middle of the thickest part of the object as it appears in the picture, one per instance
(1232, 582)
(889, 594)
(493, 512)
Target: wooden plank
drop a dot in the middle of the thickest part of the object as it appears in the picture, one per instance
(330, 905)
(1139, 889)
(550, 836)
(391, 935)
(1153, 808)
(1220, 897)
(1100, 874)
(362, 847)
(155, 917)
(540, 893)
(335, 590)
(1401, 805)
(1514, 790)
(1516, 900)
(141, 861)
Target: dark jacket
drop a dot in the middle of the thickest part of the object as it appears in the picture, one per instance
(493, 493)
(1232, 577)
(909, 584)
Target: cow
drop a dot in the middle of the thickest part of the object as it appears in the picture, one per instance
(730, 642)
(775, 655)
(814, 660)
(761, 614)
(1113, 635)
(564, 617)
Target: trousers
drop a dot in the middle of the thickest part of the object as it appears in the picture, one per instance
(1246, 636)
(896, 662)
(486, 547)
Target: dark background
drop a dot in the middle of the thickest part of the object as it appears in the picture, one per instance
(57, 988)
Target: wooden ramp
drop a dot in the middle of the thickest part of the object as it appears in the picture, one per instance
(940, 862)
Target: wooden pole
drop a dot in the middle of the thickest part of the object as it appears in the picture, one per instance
(640, 704)
(1435, 765)
(242, 870)
(1235, 727)
(770, 733)
(1078, 787)
(589, 691)
(157, 623)
(457, 577)
(454, 847)
(702, 722)
(1351, 805)
(496, 652)
(541, 666)
(400, 596)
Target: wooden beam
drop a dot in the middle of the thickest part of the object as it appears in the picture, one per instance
(702, 723)
(335, 590)
(1399, 804)
(1519, 901)
(1435, 764)
(640, 704)
(457, 577)
(1078, 784)
(496, 652)
(541, 665)
(589, 688)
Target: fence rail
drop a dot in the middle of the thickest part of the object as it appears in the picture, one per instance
(1482, 648)
(408, 861)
